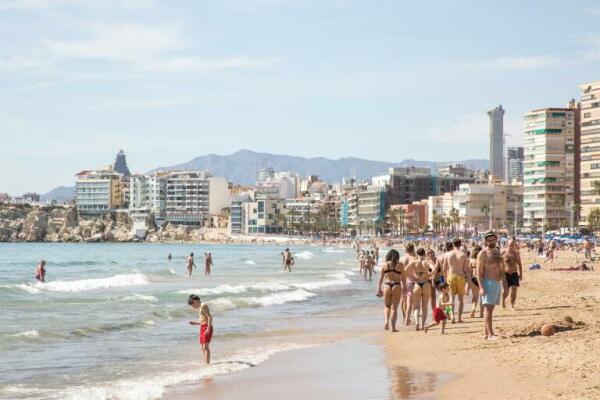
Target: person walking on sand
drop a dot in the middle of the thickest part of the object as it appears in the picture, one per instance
(456, 267)
(490, 274)
(439, 312)
(40, 272)
(190, 264)
(390, 287)
(475, 290)
(513, 272)
(418, 272)
(287, 260)
(406, 302)
(205, 322)
(208, 263)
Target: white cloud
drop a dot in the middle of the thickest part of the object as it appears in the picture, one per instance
(43, 4)
(533, 62)
(120, 42)
(190, 64)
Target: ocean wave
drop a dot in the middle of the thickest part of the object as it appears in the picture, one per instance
(89, 331)
(304, 255)
(278, 298)
(83, 285)
(333, 250)
(32, 334)
(249, 262)
(236, 289)
(139, 297)
(151, 387)
(337, 281)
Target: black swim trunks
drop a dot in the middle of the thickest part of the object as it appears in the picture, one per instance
(512, 279)
(475, 281)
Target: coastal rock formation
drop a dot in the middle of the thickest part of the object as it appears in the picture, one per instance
(24, 223)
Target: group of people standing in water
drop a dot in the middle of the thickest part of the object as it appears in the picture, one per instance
(421, 279)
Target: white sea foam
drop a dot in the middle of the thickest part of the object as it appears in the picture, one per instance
(304, 255)
(27, 334)
(139, 297)
(249, 262)
(151, 387)
(339, 280)
(85, 285)
(236, 289)
(279, 298)
(172, 271)
(333, 250)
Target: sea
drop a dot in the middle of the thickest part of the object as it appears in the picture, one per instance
(112, 320)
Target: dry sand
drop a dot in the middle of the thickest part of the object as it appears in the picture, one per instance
(522, 364)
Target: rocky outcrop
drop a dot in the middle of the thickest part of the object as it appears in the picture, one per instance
(24, 223)
(60, 224)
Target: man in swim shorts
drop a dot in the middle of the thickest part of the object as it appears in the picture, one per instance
(190, 264)
(490, 274)
(513, 272)
(456, 265)
(205, 323)
(287, 260)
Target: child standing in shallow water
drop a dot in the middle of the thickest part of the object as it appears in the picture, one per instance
(443, 309)
(205, 323)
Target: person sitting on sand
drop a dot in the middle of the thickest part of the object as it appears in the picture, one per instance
(439, 312)
(420, 275)
(513, 272)
(205, 323)
(390, 287)
(40, 272)
(490, 274)
(190, 264)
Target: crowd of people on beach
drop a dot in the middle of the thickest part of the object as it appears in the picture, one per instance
(440, 276)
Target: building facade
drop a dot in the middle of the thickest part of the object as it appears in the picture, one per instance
(515, 158)
(497, 142)
(264, 215)
(98, 192)
(590, 147)
(549, 167)
(120, 165)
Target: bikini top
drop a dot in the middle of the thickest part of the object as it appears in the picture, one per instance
(391, 270)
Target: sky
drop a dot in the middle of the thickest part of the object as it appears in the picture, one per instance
(171, 80)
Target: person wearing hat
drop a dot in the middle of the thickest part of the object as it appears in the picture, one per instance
(490, 274)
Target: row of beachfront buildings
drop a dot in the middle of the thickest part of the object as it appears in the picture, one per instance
(549, 183)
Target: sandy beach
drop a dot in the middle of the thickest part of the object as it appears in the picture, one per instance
(363, 361)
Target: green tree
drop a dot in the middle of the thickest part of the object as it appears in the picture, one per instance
(485, 209)
(594, 219)
(455, 217)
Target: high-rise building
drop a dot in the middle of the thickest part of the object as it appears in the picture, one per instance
(590, 150)
(497, 142)
(120, 165)
(98, 192)
(549, 168)
(514, 164)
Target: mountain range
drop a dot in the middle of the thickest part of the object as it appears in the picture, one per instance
(241, 167)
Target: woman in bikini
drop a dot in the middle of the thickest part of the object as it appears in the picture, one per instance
(418, 272)
(436, 274)
(391, 284)
(475, 299)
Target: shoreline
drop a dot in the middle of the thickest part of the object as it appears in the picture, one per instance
(523, 364)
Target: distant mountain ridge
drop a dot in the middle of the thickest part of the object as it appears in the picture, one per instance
(242, 166)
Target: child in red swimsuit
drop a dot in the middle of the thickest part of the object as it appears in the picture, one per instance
(205, 323)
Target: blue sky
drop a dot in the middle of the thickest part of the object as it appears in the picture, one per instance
(168, 81)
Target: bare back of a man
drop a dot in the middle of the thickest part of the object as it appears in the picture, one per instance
(456, 263)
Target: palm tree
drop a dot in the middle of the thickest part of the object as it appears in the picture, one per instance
(455, 217)
(594, 219)
(485, 209)
(402, 220)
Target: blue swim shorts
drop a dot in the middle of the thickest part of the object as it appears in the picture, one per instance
(493, 290)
